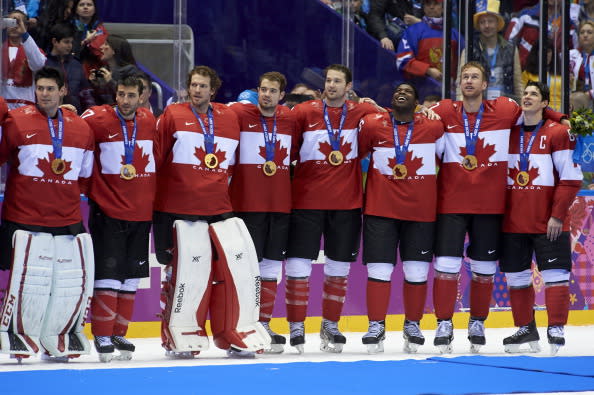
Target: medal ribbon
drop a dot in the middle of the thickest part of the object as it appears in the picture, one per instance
(401, 150)
(57, 138)
(269, 138)
(525, 155)
(587, 79)
(335, 137)
(208, 135)
(471, 138)
(129, 143)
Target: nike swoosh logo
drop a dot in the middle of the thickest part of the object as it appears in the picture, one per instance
(251, 126)
(424, 252)
(30, 135)
(451, 126)
(491, 251)
(382, 142)
(311, 125)
(112, 135)
(354, 253)
(141, 263)
(190, 123)
(551, 260)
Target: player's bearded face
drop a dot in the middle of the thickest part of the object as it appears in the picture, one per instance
(128, 99)
(200, 91)
(336, 86)
(269, 94)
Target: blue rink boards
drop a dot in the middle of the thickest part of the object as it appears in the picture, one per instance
(435, 375)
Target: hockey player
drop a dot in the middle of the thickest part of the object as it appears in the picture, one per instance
(471, 185)
(50, 152)
(261, 186)
(542, 182)
(327, 200)
(194, 150)
(400, 205)
(121, 206)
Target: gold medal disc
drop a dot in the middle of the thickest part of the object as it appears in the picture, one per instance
(269, 168)
(128, 172)
(58, 166)
(399, 171)
(211, 161)
(469, 162)
(335, 158)
(523, 178)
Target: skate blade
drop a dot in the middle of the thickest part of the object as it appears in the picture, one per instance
(335, 348)
(124, 355)
(410, 348)
(554, 349)
(375, 348)
(445, 349)
(179, 354)
(19, 357)
(475, 348)
(105, 357)
(299, 348)
(51, 358)
(240, 354)
(275, 349)
(516, 348)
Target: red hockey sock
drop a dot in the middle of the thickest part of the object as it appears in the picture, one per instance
(267, 298)
(445, 291)
(481, 289)
(557, 301)
(522, 304)
(414, 295)
(125, 310)
(335, 289)
(296, 298)
(103, 312)
(378, 299)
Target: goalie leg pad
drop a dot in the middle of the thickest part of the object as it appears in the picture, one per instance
(27, 294)
(235, 304)
(70, 299)
(187, 292)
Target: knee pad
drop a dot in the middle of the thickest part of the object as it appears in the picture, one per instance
(485, 268)
(235, 303)
(380, 271)
(186, 292)
(298, 267)
(271, 270)
(519, 279)
(336, 268)
(551, 276)
(448, 264)
(415, 271)
(130, 285)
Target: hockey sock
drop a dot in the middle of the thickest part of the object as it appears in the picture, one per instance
(414, 295)
(522, 304)
(481, 289)
(103, 312)
(267, 298)
(296, 298)
(125, 310)
(378, 298)
(445, 291)
(333, 297)
(557, 301)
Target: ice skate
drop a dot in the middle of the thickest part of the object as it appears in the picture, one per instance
(61, 359)
(332, 339)
(104, 348)
(556, 337)
(526, 334)
(413, 337)
(444, 336)
(125, 348)
(236, 353)
(375, 336)
(476, 334)
(277, 345)
(297, 335)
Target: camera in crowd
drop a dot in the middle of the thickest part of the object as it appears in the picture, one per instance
(7, 23)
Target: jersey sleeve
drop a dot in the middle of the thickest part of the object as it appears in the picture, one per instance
(364, 137)
(570, 173)
(406, 56)
(163, 138)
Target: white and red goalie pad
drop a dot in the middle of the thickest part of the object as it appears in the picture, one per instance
(187, 292)
(235, 301)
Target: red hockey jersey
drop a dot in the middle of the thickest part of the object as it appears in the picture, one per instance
(185, 185)
(414, 197)
(129, 200)
(251, 189)
(317, 184)
(553, 180)
(35, 195)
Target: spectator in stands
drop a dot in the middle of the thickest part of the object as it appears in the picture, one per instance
(52, 12)
(147, 90)
(499, 57)
(29, 8)
(419, 53)
(299, 89)
(90, 33)
(553, 79)
(389, 18)
(586, 11)
(581, 66)
(21, 58)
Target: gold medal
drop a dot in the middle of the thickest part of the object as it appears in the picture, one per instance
(58, 166)
(211, 161)
(399, 171)
(128, 172)
(269, 168)
(523, 178)
(469, 162)
(335, 158)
